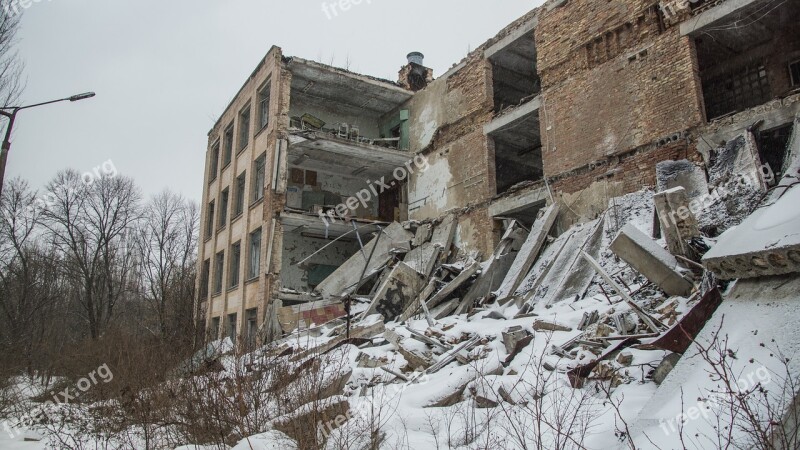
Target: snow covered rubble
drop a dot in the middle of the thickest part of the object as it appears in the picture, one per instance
(551, 341)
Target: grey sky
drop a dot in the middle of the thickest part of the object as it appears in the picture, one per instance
(163, 70)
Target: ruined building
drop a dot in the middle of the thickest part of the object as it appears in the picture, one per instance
(575, 103)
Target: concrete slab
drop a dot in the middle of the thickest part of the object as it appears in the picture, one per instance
(519, 201)
(682, 173)
(399, 289)
(346, 277)
(528, 253)
(508, 119)
(678, 223)
(696, 24)
(423, 258)
(648, 258)
(524, 29)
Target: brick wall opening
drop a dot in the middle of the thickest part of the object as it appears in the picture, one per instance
(514, 76)
(743, 57)
(773, 146)
(517, 152)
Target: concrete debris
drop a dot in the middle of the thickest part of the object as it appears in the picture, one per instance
(678, 223)
(422, 235)
(512, 336)
(396, 292)
(346, 278)
(682, 173)
(543, 325)
(528, 253)
(666, 366)
(649, 259)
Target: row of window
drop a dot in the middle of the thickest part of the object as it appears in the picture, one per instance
(239, 194)
(251, 324)
(244, 132)
(253, 265)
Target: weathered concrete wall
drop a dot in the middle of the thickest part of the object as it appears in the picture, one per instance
(611, 57)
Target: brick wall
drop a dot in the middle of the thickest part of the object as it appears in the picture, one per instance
(613, 79)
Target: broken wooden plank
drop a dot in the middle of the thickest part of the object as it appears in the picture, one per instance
(528, 253)
(450, 356)
(678, 338)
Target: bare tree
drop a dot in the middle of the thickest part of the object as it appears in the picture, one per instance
(90, 224)
(29, 286)
(166, 243)
(11, 67)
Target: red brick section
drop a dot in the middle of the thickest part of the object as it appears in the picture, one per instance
(322, 315)
(613, 80)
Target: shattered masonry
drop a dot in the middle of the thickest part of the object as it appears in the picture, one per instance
(575, 103)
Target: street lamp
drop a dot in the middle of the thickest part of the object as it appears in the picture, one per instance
(11, 113)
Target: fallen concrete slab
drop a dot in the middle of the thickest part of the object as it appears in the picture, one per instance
(648, 258)
(528, 253)
(345, 279)
(682, 173)
(678, 223)
(492, 275)
(399, 289)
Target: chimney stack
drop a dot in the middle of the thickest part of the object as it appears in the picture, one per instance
(414, 75)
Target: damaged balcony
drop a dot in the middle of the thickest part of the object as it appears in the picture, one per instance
(514, 76)
(748, 53)
(516, 138)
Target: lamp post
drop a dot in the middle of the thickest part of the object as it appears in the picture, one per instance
(11, 113)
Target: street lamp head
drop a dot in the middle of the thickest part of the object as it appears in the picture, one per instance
(83, 96)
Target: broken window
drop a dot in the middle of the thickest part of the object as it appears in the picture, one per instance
(218, 267)
(772, 148)
(742, 56)
(244, 128)
(736, 91)
(210, 220)
(214, 163)
(204, 279)
(232, 327)
(254, 255)
(258, 177)
(252, 326)
(794, 70)
(239, 194)
(223, 208)
(214, 331)
(263, 105)
(234, 264)
(228, 144)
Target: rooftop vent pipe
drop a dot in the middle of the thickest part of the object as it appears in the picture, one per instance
(416, 58)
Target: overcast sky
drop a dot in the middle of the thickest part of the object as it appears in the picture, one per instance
(164, 70)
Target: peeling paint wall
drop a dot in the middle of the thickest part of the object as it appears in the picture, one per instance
(297, 247)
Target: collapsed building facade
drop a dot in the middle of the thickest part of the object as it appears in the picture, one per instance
(571, 106)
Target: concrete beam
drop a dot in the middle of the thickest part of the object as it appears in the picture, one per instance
(518, 202)
(707, 18)
(649, 259)
(508, 118)
(528, 27)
